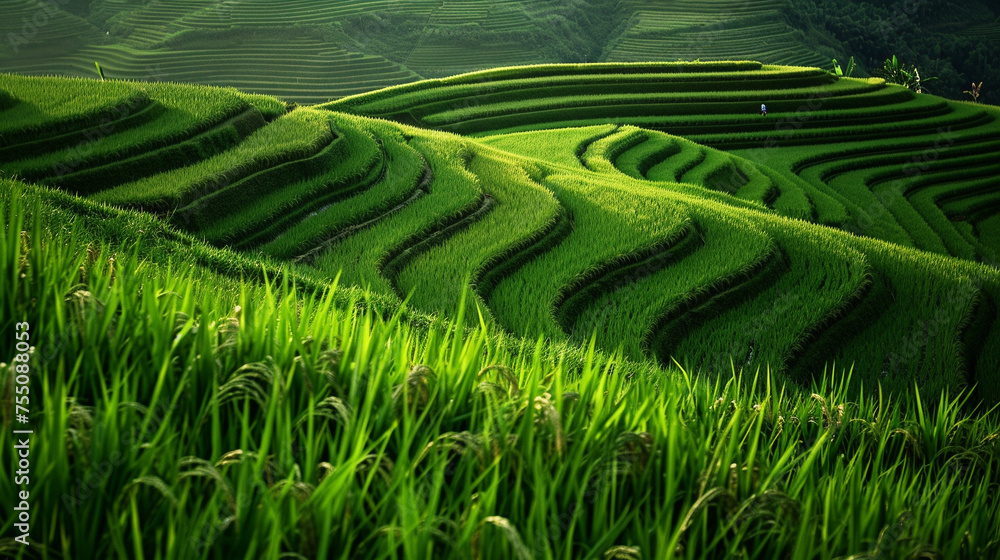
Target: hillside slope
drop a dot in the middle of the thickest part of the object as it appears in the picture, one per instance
(661, 246)
(310, 51)
(227, 406)
(871, 158)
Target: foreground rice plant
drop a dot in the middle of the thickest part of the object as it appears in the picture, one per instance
(180, 413)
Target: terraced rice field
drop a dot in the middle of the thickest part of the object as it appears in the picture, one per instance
(310, 51)
(438, 55)
(255, 45)
(252, 45)
(850, 226)
(262, 13)
(866, 157)
(299, 68)
(158, 20)
(710, 30)
(445, 59)
(31, 26)
(600, 311)
(989, 31)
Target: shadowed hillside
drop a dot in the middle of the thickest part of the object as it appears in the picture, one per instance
(311, 51)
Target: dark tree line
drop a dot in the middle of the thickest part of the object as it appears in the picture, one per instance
(928, 34)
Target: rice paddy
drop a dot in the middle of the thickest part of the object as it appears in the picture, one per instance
(551, 311)
(311, 52)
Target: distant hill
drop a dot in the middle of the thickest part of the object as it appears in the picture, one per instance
(311, 51)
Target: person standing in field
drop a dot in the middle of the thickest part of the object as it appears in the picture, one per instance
(763, 110)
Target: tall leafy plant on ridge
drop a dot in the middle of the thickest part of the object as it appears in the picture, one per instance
(974, 91)
(895, 73)
(846, 72)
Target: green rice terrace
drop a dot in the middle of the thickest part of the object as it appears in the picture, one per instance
(600, 310)
(313, 51)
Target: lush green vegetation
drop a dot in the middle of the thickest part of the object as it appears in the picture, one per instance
(185, 413)
(711, 30)
(617, 230)
(552, 311)
(794, 158)
(953, 41)
(107, 139)
(309, 51)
